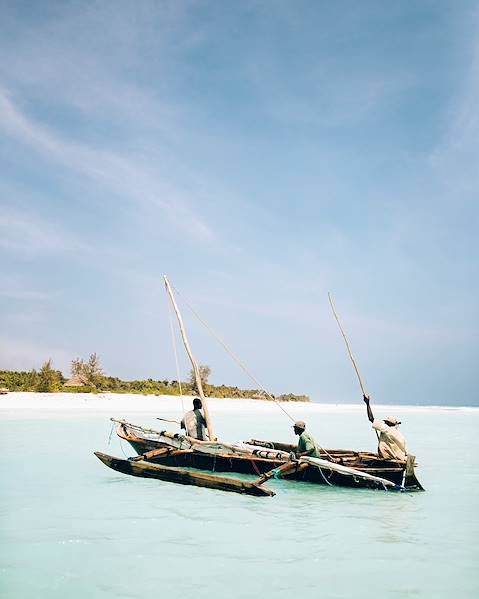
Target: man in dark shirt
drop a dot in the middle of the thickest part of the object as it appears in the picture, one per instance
(307, 446)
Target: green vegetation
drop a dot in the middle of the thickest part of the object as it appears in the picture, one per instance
(89, 373)
(88, 377)
(48, 380)
(33, 380)
(204, 372)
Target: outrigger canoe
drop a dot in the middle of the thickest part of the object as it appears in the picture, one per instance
(183, 477)
(165, 455)
(344, 468)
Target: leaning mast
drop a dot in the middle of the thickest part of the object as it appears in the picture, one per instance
(194, 364)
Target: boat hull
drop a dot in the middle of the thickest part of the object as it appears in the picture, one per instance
(255, 466)
(184, 477)
(399, 473)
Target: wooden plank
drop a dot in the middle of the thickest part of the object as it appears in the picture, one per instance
(154, 453)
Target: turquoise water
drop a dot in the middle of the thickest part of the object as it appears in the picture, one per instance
(70, 527)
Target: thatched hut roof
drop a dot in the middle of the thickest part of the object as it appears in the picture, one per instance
(77, 380)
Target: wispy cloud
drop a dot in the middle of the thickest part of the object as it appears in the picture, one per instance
(332, 99)
(27, 235)
(84, 54)
(24, 295)
(122, 175)
(456, 157)
(87, 55)
(263, 153)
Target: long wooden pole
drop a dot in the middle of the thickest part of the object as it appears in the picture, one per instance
(347, 345)
(196, 370)
(361, 384)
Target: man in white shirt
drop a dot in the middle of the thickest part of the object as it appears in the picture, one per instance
(392, 444)
(194, 422)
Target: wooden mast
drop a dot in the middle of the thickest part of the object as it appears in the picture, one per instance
(196, 370)
(361, 384)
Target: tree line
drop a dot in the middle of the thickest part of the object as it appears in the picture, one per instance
(87, 376)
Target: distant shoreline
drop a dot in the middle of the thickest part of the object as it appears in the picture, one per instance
(116, 403)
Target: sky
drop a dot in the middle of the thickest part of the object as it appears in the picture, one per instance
(260, 154)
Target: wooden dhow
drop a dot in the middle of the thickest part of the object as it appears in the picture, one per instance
(165, 455)
(258, 457)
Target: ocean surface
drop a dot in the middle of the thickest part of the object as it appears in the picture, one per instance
(71, 527)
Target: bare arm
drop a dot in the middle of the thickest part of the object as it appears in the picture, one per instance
(304, 453)
(368, 408)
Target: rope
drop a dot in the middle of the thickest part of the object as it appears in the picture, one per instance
(176, 358)
(111, 432)
(255, 467)
(123, 451)
(328, 454)
(232, 355)
(324, 478)
(276, 473)
(136, 426)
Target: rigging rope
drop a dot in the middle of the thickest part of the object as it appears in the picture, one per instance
(324, 478)
(327, 453)
(232, 355)
(111, 432)
(237, 360)
(122, 450)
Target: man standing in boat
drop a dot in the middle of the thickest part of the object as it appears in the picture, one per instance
(392, 444)
(194, 422)
(307, 446)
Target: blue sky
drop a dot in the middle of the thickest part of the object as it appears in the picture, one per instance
(260, 154)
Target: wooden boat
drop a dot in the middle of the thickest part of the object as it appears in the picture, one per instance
(264, 459)
(183, 477)
(258, 457)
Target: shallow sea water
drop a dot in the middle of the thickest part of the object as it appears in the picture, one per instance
(70, 527)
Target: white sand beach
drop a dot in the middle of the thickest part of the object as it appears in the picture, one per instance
(119, 403)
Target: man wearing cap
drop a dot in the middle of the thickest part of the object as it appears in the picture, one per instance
(194, 422)
(307, 446)
(392, 444)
